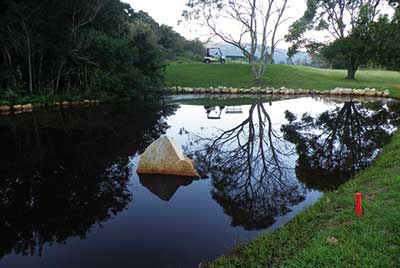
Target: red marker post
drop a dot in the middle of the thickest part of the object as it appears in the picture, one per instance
(358, 205)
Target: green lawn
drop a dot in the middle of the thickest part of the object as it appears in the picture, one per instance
(290, 76)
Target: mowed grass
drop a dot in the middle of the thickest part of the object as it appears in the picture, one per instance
(370, 241)
(290, 76)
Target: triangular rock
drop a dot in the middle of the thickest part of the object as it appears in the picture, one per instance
(164, 156)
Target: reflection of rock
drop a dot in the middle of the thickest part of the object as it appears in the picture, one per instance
(164, 186)
(164, 156)
(5, 108)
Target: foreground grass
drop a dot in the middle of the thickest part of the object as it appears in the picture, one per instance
(370, 241)
(291, 76)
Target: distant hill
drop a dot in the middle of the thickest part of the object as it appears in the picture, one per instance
(280, 55)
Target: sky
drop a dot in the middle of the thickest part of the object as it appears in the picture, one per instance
(166, 12)
(169, 12)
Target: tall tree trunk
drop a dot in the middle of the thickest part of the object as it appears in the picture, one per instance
(28, 43)
(257, 72)
(351, 71)
(29, 54)
(271, 61)
(59, 76)
(253, 68)
(261, 71)
(11, 66)
(39, 76)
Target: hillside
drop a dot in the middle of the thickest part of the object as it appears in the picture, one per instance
(280, 55)
(238, 75)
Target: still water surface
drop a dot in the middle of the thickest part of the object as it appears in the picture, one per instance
(70, 195)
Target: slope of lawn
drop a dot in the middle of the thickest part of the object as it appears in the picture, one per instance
(290, 76)
(329, 234)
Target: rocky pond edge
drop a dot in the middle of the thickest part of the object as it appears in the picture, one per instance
(29, 107)
(366, 92)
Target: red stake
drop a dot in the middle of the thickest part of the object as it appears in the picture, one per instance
(358, 205)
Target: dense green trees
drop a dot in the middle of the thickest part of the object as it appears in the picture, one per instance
(353, 26)
(174, 45)
(53, 47)
(377, 44)
(350, 52)
(386, 41)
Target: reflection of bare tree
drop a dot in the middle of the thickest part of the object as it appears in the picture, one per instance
(338, 143)
(247, 166)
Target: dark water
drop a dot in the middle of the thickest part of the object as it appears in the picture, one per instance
(70, 196)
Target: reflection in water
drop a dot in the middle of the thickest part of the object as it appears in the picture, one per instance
(251, 180)
(62, 172)
(214, 112)
(236, 109)
(337, 143)
(164, 186)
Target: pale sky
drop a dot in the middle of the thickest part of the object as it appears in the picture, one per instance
(169, 12)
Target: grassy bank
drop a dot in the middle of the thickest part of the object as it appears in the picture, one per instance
(238, 75)
(48, 99)
(370, 241)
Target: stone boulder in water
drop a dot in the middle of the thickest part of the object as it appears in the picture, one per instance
(164, 156)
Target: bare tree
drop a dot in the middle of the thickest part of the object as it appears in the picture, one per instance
(278, 22)
(255, 20)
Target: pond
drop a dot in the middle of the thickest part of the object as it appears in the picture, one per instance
(71, 197)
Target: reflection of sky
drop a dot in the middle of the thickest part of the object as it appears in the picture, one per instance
(193, 118)
(190, 227)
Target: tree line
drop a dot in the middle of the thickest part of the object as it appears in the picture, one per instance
(360, 34)
(85, 47)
